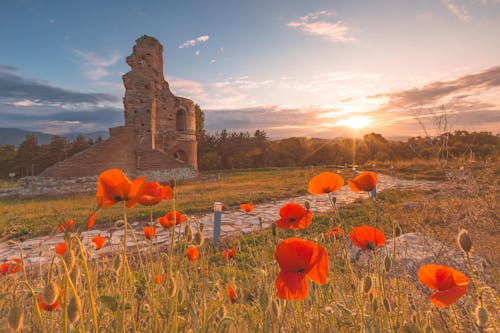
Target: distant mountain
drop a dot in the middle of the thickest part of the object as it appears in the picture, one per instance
(14, 136)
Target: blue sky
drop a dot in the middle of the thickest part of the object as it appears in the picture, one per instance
(292, 68)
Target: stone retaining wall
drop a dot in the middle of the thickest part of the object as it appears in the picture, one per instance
(50, 186)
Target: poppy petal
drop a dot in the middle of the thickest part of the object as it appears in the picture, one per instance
(325, 182)
(295, 254)
(362, 236)
(319, 272)
(365, 181)
(447, 297)
(291, 286)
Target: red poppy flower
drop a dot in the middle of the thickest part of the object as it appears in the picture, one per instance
(159, 279)
(449, 283)
(294, 216)
(49, 307)
(11, 266)
(113, 186)
(149, 232)
(231, 293)
(337, 232)
(98, 242)
(66, 226)
(325, 182)
(170, 219)
(91, 220)
(193, 254)
(247, 207)
(61, 248)
(366, 237)
(152, 193)
(299, 259)
(365, 181)
(229, 254)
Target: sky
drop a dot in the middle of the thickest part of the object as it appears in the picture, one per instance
(292, 68)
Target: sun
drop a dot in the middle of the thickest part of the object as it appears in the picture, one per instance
(356, 122)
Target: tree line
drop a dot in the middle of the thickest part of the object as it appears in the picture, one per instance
(234, 150)
(241, 150)
(31, 158)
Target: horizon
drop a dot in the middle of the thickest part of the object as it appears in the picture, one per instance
(321, 70)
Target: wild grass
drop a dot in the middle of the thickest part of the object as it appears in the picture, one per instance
(118, 293)
(21, 218)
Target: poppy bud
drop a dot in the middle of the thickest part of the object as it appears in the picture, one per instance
(16, 317)
(367, 284)
(70, 259)
(74, 310)
(374, 305)
(464, 240)
(387, 305)
(51, 293)
(481, 317)
(199, 238)
(397, 230)
(172, 183)
(387, 263)
(307, 205)
(188, 232)
(117, 262)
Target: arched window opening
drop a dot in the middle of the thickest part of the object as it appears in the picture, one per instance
(180, 156)
(180, 121)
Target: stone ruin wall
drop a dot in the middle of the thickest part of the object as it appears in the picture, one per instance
(158, 139)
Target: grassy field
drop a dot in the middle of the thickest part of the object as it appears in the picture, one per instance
(21, 218)
(160, 290)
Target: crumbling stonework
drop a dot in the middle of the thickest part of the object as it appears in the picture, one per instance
(159, 132)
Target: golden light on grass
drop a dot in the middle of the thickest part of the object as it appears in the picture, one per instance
(355, 122)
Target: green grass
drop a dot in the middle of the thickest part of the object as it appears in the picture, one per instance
(37, 216)
(125, 298)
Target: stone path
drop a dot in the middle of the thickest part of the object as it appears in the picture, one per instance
(234, 223)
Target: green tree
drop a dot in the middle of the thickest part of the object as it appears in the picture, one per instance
(27, 156)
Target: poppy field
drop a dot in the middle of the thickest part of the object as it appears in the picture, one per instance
(300, 275)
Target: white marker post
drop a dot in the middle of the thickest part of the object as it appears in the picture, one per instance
(217, 222)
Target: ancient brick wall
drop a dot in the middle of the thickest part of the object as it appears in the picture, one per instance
(115, 152)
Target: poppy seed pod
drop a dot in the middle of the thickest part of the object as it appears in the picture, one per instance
(16, 318)
(464, 240)
(387, 263)
(367, 284)
(51, 293)
(74, 310)
(481, 317)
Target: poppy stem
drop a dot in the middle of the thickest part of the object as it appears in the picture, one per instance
(473, 276)
(283, 316)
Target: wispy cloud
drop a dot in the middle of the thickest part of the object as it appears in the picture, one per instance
(14, 88)
(8, 68)
(317, 24)
(460, 13)
(433, 93)
(193, 42)
(96, 67)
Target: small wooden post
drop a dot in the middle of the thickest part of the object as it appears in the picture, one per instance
(217, 222)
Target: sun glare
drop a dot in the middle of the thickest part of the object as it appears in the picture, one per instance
(356, 122)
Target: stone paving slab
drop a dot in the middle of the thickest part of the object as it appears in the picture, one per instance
(234, 223)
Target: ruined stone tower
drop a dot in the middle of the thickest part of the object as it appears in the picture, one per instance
(158, 139)
(162, 123)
